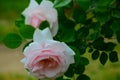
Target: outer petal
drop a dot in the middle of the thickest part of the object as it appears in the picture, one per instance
(70, 53)
(54, 28)
(42, 35)
(23, 60)
(52, 19)
(34, 46)
(27, 20)
(46, 3)
(33, 4)
(68, 49)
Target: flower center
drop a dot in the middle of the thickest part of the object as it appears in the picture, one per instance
(35, 21)
(48, 63)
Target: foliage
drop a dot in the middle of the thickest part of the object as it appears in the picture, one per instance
(82, 24)
(12, 40)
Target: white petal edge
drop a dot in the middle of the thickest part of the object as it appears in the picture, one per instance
(31, 6)
(54, 28)
(70, 53)
(31, 48)
(46, 3)
(23, 60)
(68, 49)
(41, 35)
(27, 20)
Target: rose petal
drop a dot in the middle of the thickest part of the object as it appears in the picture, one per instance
(54, 28)
(68, 49)
(46, 3)
(36, 68)
(23, 60)
(57, 46)
(34, 46)
(42, 35)
(33, 4)
(35, 21)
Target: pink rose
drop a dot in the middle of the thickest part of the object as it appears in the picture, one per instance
(35, 14)
(46, 58)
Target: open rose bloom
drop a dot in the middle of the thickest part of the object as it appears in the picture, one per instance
(36, 13)
(46, 58)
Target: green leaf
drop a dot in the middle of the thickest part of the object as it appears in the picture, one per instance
(83, 77)
(94, 31)
(27, 31)
(61, 15)
(103, 58)
(110, 46)
(60, 78)
(99, 44)
(19, 22)
(65, 37)
(61, 3)
(93, 35)
(83, 33)
(44, 24)
(101, 9)
(38, 1)
(79, 69)
(113, 56)
(107, 31)
(84, 4)
(79, 15)
(81, 45)
(68, 24)
(69, 36)
(95, 26)
(116, 25)
(116, 14)
(77, 55)
(69, 72)
(90, 50)
(84, 61)
(12, 40)
(95, 55)
(118, 35)
(103, 5)
(103, 17)
(104, 2)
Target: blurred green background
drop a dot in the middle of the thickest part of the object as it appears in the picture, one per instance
(10, 66)
(10, 10)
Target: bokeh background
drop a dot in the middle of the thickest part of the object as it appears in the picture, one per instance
(10, 66)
